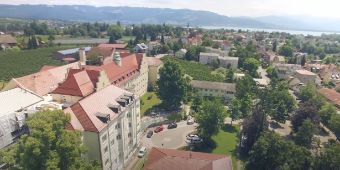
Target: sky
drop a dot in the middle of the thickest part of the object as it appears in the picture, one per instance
(249, 8)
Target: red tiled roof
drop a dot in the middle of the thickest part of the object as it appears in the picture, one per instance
(46, 67)
(331, 95)
(152, 61)
(86, 109)
(129, 67)
(77, 83)
(169, 159)
(45, 81)
(116, 46)
(82, 117)
(100, 51)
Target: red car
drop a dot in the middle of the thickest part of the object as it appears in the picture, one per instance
(158, 129)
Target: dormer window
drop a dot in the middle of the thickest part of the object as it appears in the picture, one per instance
(105, 118)
(115, 107)
(122, 102)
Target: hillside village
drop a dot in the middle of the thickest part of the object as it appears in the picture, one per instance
(166, 97)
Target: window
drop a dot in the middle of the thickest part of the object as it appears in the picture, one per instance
(107, 161)
(106, 149)
(104, 138)
(119, 137)
(129, 135)
(130, 124)
(112, 141)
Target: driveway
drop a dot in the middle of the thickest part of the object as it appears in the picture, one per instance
(169, 138)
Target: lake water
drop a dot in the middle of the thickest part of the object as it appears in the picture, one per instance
(314, 33)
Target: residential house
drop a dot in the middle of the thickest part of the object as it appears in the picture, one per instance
(285, 71)
(109, 121)
(169, 159)
(181, 53)
(153, 45)
(223, 61)
(306, 76)
(271, 58)
(331, 95)
(16, 104)
(216, 51)
(154, 65)
(215, 89)
(141, 48)
(7, 41)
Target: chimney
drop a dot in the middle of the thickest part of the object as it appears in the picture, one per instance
(82, 56)
(117, 59)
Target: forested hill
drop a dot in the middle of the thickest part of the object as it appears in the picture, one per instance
(126, 15)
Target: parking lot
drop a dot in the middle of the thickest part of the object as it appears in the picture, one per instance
(169, 138)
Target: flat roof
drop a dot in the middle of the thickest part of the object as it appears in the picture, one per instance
(213, 85)
(16, 99)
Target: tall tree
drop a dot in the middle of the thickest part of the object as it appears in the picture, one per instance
(304, 137)
(210, 118)
(329, 157)
(49, 145)
(172, 85)
(272, 152)
(286, 50)
(274, 45)
(306, 110)
(251, 65)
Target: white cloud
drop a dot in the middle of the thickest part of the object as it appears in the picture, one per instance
(319, 8)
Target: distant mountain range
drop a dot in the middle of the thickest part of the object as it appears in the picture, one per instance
(138, 15)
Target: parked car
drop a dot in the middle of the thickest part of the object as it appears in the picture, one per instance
(195, 140)
(149, 134)
(172, 125)
(190, 136)
(141, 152)
(158, 129)
(190, 120)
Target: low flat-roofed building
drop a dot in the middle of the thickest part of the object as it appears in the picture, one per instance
(69, 53)
(170, 159)
(15, 105)
(215, 89)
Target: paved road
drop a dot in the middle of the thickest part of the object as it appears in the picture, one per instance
(170, 138)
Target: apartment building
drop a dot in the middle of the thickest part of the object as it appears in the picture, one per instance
(223, 61)
(215, 89)
(110, 127)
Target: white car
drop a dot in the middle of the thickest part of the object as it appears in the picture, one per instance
(190, 120)
(141, 152)
(189, 137)
(195, 140)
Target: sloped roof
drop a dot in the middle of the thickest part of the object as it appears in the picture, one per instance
(305, 72)
(100, 51)
(130, 65)
(7, 39)
(115, 46)
(77, 83)
(16, 99)
(152, 61)
(44, 82)
(331, 95)
(213, 85)
(86, 109)
(169, 159)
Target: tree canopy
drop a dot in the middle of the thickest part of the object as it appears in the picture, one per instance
(210, 118)
(49, 145)
(272, 152)
(173, 87)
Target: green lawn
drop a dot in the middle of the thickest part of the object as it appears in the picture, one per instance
(127, 38)
(20, 63)
(196, 70)
(224, 143)
(148, 101)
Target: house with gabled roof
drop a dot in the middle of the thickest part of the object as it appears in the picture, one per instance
(169, 159)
